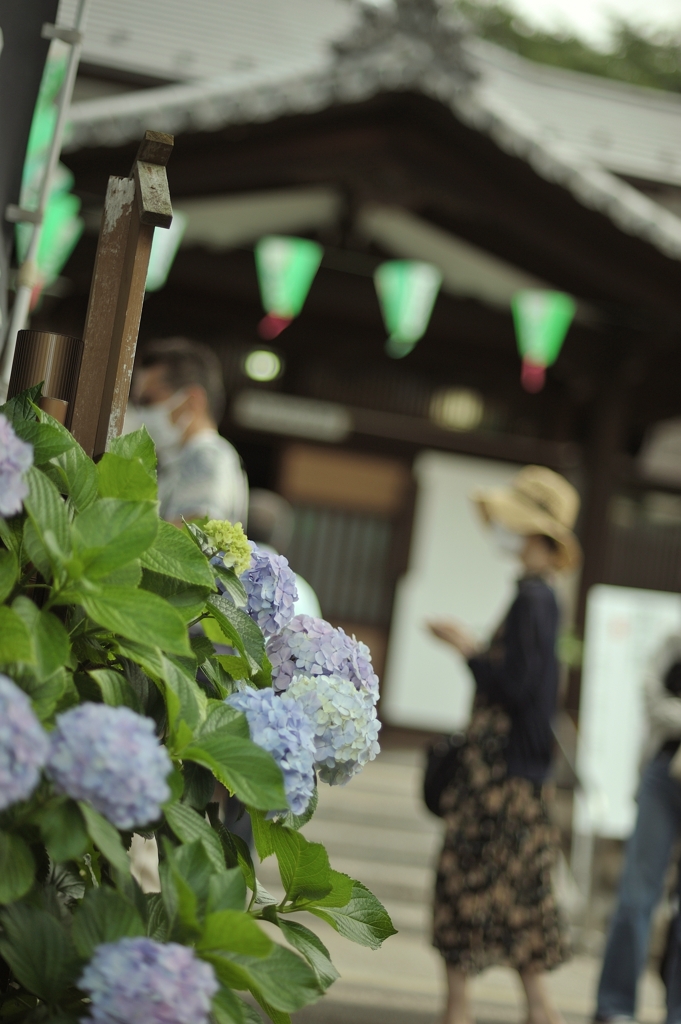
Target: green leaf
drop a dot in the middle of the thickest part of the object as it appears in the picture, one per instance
(157, 919)
(228, 1008)
(189, 826)
(48, 515)
(234, 931)
(296, 821)
(312, 948)
(282, 979)
(9, 573)
(63, 831)
(304, 867)
(173, 553)
(17, 867)
(185, 699)
(111, 533)
(72, 471)
(137, 445)
(239, 627)
(221, 716)
(49, 640)
(11, 531)
(262, 834)
(116, 690)
(341, 891)
(363, 919)
(104, 916)
(187, 598)
(47, 441)
(47, 696)
(39, 951)
(125, 478)
(227, 891)
(231, 583)
(15, 640)
(22, 406)
(137, 615)
(106, 837)
(246, 769)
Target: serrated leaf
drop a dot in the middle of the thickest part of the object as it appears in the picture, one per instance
(312, 948)
(174, 554)
(74, 474)
(363, 919)
(22, 406)
(234, 931)
(185, 699)
(106, 837)
(188, 825)
(118, 477)
(48, 515)
(239, 627)
(63, 831)
(232, 584)
(111, 533)
(304, 867)
(47, 441)
(49, 639)
(246, 769)
(227, 1008)
(9, 573)
(15, 640)
(283, 979)
(39, 951)
(136, 445)
(227, 891)
(17, 867)
(136, 615)
(104, 916)
(116, 690)
(187, 598)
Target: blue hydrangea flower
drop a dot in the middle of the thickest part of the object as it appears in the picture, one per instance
(112, 758)
(270, 586)
(16, 458)
(23, 745)
(139, 981)
(314, 647)
(345, 724)
(282, 728)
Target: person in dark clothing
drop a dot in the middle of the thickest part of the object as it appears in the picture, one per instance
(494, 903)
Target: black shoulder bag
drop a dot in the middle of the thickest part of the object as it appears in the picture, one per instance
(442, 760)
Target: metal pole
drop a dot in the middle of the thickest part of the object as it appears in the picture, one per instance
(27, 277)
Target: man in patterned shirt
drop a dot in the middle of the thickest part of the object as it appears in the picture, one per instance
(178, 394)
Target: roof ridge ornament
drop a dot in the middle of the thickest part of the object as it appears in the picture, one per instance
(416, 32)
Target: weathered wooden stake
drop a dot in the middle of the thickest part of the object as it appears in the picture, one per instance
(133, 207)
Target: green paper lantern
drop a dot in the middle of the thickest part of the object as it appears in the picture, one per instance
(286, 269)
(541, 319)
(164, 246)
(407, 290)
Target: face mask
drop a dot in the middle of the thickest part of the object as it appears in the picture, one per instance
(509, 543)
(166, 435)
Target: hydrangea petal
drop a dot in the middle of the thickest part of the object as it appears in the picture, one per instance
(23, 745)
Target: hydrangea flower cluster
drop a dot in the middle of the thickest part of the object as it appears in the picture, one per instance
(23, 745)
(229, 544)
(345, 724)
(312, 646)
(16, 458)
(284, 729)
(270, 586)
(112, 758)
(139, 981)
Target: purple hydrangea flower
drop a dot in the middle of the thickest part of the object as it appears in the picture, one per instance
(23, 745)
(345, 724)
(139, 981)
(282, 728)
(112, 758)
(270, 585)
(16, 458)
(313, 646)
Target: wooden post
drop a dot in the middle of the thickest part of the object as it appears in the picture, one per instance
(133, 207)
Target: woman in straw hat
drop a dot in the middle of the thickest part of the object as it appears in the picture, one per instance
(493, 898)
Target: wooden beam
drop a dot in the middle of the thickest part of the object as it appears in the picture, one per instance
(134, 206)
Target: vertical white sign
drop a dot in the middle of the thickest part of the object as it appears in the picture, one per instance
(456, 571)
(624, 627)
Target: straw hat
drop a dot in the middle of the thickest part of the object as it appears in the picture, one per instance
(537, 501)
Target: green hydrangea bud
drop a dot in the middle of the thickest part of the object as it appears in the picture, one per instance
(232, 543)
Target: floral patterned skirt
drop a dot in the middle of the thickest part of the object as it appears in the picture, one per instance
(494, 903)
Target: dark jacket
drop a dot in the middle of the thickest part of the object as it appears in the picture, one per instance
(519, 671)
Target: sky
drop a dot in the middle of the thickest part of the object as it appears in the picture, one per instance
(589, 18)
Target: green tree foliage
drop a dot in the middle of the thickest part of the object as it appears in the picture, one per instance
(644, 58)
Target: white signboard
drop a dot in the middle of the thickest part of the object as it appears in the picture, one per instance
(456, 571)
(624, 627)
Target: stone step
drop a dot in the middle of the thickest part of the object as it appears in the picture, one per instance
(374, 842)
